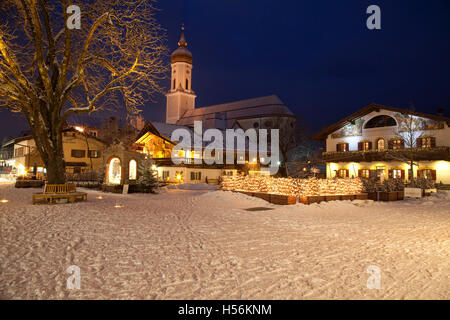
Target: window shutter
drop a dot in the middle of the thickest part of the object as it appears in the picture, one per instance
(370, 145)
(192, 176)
(373, 173)
(200, 176)
(359, 172)
(419, 142)
(403, 174)
(433, 175)
(390, 144)
(338, 147)
(391, 174)
(346, 172)
(402, 144)
(360, 146)
(419, 173)
(347, 149)
(433, 142)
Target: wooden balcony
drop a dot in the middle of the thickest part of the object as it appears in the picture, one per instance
(420, 154)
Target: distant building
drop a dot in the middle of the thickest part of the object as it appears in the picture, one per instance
(373, 142)
(82, 153)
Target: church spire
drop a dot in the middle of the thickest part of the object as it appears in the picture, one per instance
(182, 42)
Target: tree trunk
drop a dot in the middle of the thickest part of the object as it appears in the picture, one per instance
(55, 169)
(48, 138)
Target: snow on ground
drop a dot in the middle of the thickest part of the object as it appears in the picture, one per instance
(184, 244)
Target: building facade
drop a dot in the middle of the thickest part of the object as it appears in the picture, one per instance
(82, 154)
(154, 140)
(385, 142)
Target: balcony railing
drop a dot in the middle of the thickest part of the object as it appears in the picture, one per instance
(419, 154)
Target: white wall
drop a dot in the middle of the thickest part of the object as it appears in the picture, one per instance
(442, 136)
(212, 174)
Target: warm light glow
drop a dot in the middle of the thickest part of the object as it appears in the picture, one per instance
(255, 182)
(117, 206)
(133, 170)
(178, 176)
(80, 129)
(4, 201)
(115, 171)
(153, 167)
(442, 165)
(100, 197)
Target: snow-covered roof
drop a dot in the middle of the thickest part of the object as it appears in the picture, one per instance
(232, 111)
(165, 130)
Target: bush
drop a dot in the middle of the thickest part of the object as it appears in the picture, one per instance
(422, 183)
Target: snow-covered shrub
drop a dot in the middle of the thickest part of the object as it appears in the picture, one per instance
(399, 185)
(148, 182)
(389, 185)
(422, 183)
(369, 185)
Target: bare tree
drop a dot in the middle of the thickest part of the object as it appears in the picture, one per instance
(295, 142)
(49, 72)
(409, 131)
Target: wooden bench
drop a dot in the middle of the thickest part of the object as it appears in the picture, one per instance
(59, 191)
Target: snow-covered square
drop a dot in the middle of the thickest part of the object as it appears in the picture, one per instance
(204, 244)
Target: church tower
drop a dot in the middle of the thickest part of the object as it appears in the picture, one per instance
(180, 97)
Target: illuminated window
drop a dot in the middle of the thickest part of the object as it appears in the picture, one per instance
(342, 147)
(427, 142)
(397, 174)
(364, 173)
(397, 144)
(381, 144)
(115, 171)
(133, 170)
(428, 174)
(342, 173)
(365, 146)
(94, 154)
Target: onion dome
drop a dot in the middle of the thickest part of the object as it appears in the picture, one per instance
(181, 54)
